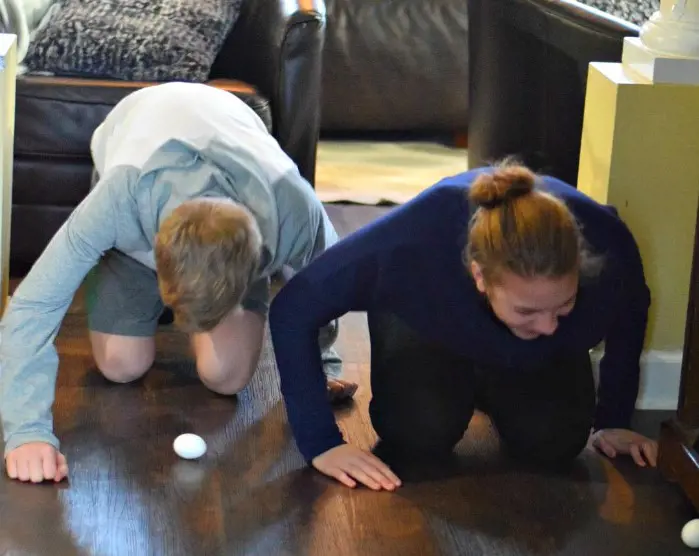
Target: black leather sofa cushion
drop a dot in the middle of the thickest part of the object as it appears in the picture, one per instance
(57, 116)
(395, 65)
(55, 121)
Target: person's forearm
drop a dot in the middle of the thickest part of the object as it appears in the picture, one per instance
(27, 353)
(620, 367)
(28, 357)
(617, 401)
(26, 396)
(294, 332)
(340, 279)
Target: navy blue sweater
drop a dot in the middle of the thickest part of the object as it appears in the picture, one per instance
(410, 262)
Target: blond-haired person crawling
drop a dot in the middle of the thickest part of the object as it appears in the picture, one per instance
(195, 207)
(486, 291)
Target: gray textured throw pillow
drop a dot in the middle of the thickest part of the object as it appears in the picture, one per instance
(634, 11)
(150, 40)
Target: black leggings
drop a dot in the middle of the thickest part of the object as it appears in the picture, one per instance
(424, 397)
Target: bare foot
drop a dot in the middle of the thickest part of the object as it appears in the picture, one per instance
(340, 390)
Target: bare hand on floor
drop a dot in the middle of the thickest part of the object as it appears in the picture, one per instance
(349, 464)
(611, 442)
(36, 462)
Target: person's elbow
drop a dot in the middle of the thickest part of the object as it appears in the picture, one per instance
(642, 301)
(646, 297)
(638, 296)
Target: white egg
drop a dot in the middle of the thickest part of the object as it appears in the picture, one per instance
(189, 446)
(690, 533)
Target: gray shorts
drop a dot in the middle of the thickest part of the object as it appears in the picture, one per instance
(123, 298)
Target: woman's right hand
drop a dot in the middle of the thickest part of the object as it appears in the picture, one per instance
(349, 464)
(36, 462)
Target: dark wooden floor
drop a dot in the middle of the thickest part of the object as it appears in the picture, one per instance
(129, 494)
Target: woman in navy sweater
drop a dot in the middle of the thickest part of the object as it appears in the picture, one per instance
(487, 290)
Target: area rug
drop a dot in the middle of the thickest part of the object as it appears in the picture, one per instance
(374, 173)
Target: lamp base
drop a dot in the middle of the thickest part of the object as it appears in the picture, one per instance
(658, 68)
(673, 30)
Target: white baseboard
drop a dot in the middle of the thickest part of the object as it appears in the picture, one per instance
(660, 378)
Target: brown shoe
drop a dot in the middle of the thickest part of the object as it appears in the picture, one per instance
(340, 390)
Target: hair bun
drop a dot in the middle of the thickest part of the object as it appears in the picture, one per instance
(505, 183)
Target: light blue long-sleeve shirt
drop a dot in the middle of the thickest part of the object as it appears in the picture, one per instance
(157, 148)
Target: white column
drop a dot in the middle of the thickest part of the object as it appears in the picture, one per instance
(8, 77)
(667, 50)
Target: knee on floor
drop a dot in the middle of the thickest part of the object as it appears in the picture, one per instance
(550, 449)
(123, 368)
(419, 436)
(225, 380)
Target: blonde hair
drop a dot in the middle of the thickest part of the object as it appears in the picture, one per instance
(520, 229)
(206, 255)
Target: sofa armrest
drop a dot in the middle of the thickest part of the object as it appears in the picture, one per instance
(528, 75)
(577, 29)
(276, 45)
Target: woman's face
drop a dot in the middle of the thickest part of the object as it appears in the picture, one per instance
(529, 307)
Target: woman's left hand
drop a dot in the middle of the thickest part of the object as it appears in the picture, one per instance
(611, 442)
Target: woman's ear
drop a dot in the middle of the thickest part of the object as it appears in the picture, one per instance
(477, 274)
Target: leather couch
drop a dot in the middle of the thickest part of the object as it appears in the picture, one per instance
(528, 62)
(271, 59)
(395, 65)
(509, 73)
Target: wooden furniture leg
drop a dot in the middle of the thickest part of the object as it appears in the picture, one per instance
(678, 457)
